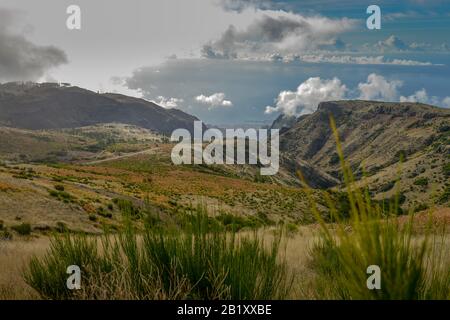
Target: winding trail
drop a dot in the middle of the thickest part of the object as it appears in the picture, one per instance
(124, 156)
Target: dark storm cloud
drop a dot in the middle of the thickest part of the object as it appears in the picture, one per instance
(21, 59)
(279, 32)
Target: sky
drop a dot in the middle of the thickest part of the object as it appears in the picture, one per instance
(232, 62)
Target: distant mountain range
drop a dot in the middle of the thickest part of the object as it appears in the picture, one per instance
(54, 106)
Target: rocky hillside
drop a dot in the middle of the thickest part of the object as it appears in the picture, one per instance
(53, 106)
(374, 136)
(283, 122)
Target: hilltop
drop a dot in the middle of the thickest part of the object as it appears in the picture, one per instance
(53, 106)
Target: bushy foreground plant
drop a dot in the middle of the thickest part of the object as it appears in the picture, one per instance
(411, 267)
(197, 263)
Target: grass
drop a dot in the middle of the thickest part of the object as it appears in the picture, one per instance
(126, 207)
(411, 268)
(24, 229)
(222, 256)
(197, 263)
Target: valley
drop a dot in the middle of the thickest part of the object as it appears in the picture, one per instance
(95, 180)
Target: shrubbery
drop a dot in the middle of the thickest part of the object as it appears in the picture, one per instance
(198, 263)
(23, 229)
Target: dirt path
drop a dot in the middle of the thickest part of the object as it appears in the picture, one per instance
(128, 155)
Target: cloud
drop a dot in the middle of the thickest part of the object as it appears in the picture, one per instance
(253, 85)
(21, 59)
(214, 100)
(278, 31)
(418, 96)
(308, 95)
(168, 103)
(378, 88)
(422, 97)
(392, 43)
(240, 5)
(343, 59)
(395, 44)
(446, 102)
(315, 90)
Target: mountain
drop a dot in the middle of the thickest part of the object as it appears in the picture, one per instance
(53, 106)
(374, 136)
(283, 122)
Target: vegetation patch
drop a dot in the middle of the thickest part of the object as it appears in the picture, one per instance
(62, 196)
(421, 182)
(24, 229)
(198, 263)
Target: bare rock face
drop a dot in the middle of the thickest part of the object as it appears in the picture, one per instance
(54, 106)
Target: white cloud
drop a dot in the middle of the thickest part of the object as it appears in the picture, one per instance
(214, 100)
(308, 96)
(378, 88)
(422, 97)
(446, 102)
(315, 90)
(418, 96)
(168, 103)
(392, 43)
(395, 44)
(363, 60)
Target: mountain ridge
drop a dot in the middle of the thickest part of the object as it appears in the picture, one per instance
(381, 141)
(54, 106)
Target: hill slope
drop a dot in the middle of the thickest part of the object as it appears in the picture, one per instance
(50, 106)
(374, 135)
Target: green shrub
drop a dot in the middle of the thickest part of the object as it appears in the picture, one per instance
(197, 263)
(23, 229)
(421, 182)
(53, 193)
(102, 212)
(62, 195)
(127, 208)
(445, 196)
(61, 227)
(446, 169)
(291, 228)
